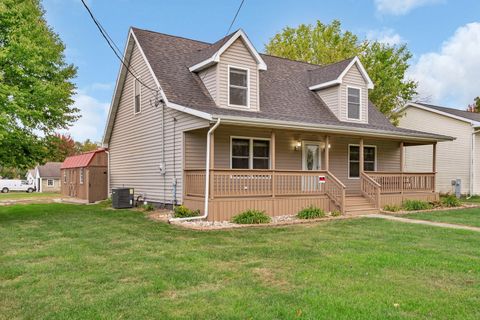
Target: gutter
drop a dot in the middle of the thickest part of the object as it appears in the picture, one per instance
(207, 180)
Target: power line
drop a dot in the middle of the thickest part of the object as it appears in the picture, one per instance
(112, 44)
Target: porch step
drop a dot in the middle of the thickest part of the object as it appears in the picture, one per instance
(359, 205)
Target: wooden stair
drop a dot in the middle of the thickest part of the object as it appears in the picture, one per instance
(357, 204)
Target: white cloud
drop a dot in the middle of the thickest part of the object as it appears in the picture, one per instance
(399, 7)
(93, 117)
(387, 36)
(451, 75)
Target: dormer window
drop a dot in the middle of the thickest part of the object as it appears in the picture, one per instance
(353, 101)
(238, 87)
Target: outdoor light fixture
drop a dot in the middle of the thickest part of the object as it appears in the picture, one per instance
(298, 145)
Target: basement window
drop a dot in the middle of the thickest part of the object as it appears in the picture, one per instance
(238, 87)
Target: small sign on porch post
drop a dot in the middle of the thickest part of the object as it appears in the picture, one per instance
(321, 179)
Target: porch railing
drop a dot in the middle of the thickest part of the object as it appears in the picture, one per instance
(371, 189)
(404, 182)
(265, 183)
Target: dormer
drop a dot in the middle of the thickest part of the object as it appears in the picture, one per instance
(229, 69)
(343, 86)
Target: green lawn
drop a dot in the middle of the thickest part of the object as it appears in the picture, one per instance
(470, 217)
(61, 261)
(25, 195)
(472, 200)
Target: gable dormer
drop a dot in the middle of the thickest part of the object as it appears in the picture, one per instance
(230, 70)
(343, 86)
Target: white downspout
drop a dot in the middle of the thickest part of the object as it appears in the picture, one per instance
(207, 180)
(108, 172)
(472, 163)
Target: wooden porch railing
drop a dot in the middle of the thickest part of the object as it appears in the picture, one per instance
(226, 183)
(370, 189)
(402, 182)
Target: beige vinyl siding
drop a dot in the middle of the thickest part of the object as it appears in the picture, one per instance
(355, 79)
(237, 55)
(453, 157)
(331, 97)
(136, 141)
(209, 78)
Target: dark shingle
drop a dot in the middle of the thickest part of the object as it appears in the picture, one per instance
(327, 73)
(50, 170)
(456, 112)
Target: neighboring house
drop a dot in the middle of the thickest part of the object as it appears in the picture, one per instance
(222, 128)
(47, 177)
(30, 176)
(84, 176)
(458, 159)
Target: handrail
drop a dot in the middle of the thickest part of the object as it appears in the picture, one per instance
(337, 195)
(370, 189)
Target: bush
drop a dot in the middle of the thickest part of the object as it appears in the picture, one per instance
(184, 212)
(251, 217)
(311, 213)
(148, 207)
(414, 205)
(335, 213)
(392, 208)
(450, 201)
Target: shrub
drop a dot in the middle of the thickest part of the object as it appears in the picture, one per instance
(392, 208)
(148, 207)
(251, 217)
(413, 205)
(184, 212)
(311, 213)
(335, 213)
(450, 201)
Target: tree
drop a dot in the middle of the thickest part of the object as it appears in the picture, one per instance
(60, 146)
(324, 44)
(36, 85)
(86, 146)
(475, 106)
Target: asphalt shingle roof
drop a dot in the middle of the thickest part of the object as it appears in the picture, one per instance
(284, 93)
(50, 170)
(456, 112)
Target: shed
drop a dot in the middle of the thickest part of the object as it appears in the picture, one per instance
(85, 176)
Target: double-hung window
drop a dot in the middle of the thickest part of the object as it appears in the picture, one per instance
(137, 91)
(353, 100)
(369, 160)
(238, 87)
(50, 183)
(250, 153)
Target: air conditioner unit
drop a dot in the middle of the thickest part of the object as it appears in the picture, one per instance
(122, 198)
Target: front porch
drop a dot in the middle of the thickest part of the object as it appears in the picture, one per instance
(331, 172)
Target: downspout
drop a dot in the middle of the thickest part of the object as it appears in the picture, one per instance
(472, 162)
(108, 172)
(207, 180)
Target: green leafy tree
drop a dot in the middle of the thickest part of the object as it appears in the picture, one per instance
(475, 106)
(59, 146)
(87, 145)
(324, 44)
(36, 85)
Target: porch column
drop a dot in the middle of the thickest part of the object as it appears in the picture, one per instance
(402, 156)
(272, 160)
(327, 153)
(212, 164)
(361, 156)
(434, 158)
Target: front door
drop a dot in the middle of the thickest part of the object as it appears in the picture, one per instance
(311, 155)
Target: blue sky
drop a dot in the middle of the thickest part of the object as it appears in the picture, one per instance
(443, 35)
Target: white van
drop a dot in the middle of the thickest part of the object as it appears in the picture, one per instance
(7, 185)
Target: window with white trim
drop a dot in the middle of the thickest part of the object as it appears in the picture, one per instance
(238, 87)
(369, 160)
(353, 101)
(137, 92)
(50, 183)
(81, 175)
(250, 153)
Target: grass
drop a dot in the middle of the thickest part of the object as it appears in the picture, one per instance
(470, 217)
(472, 200)
(26, 195)
(60, 261)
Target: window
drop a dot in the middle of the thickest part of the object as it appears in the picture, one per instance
(250, 153)
(50, 183)
(138, 90)
(369, 160)
(81, 175)
(353, 103)
(64, 176)
(238, 87)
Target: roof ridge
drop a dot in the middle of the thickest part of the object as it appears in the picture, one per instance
(174, 36)
(437, 106)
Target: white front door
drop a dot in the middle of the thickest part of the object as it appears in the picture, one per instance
(311, 159)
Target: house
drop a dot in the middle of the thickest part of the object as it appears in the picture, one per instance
(456, 159)
(46, 178)
(30, 176)
(84, 176)
(222, 128)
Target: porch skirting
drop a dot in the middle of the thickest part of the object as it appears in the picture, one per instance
(397, 199)
(222, 209)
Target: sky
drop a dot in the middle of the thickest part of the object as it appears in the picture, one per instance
(443, 36)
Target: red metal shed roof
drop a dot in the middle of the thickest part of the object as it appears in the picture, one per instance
(81, 160)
